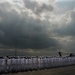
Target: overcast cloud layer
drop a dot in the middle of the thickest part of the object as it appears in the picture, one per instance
(38, 24)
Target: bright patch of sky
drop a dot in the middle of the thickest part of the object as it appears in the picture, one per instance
(64, 6)
(68, 4)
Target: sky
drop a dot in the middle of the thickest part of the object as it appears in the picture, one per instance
(37, 27)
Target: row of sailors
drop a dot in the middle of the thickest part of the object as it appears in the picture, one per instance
(30, 63)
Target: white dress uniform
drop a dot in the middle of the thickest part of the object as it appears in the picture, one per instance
(61, 61)
(13, 63)
(68, 60)
(9, 65)
(39, 64)
(65, 60)
(57, 61)
(26, 63)
(48, 59)
(5, 62)
(54, 61)
(44, 62)
(35, 63)
(73, 59)
(18, 63)
(30, 63)
(15, 60)
(48, 62)
(22, 63)
(1, 64)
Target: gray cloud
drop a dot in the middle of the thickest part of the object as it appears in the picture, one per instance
(36, 7)
(65, 31)
(68, 25)
(29, 32)
(18, 24)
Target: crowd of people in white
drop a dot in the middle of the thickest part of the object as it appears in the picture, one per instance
(33, 63)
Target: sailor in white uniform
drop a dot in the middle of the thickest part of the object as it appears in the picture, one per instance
(34, 63)
(69, 60)
(66, 60)
(48, 59)
(43, 62)
(49, 62)
(16, 64)
(73, 60)
(63, 61)
(1, 64)
(39, 63)
(13, 64)
(9, 64)
(57, 62)
(46, 62)
(22, 63)
(30, 63)
(5, 62)
(60, 61)
(52, 61)
(27, 63)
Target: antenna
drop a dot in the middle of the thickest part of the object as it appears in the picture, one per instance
(15, 47)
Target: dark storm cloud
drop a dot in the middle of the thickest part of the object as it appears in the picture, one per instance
(23, 29)
(36, 7)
